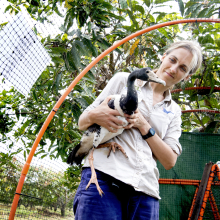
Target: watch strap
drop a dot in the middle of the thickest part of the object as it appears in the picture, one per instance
(150, 133)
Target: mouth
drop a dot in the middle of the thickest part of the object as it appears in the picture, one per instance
(169, 74)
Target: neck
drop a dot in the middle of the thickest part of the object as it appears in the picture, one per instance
(129, 103)
(130, 84)
(158, 92)
(158, 88)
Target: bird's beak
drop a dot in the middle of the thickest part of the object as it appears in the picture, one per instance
(154, 78)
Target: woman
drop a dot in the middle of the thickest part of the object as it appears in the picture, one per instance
(131, 185)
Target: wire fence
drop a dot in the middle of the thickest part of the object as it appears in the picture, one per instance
(23, 60)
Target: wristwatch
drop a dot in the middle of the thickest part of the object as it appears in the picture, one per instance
(150, 133)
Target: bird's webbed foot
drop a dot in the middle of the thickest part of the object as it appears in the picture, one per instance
(93, 178)
(112, 147)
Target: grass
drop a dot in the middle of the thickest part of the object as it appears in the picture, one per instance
(34, 213)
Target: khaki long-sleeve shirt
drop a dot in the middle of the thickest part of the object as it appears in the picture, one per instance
(140, 169)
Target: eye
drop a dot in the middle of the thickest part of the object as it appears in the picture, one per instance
(183, 69)
(172, 60)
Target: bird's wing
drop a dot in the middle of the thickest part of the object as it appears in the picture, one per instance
(104, 135)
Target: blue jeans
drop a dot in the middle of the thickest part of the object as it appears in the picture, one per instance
(119, 202)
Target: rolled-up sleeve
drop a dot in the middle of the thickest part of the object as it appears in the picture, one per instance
(174, 132)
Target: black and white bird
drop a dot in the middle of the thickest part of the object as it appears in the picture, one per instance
(125, 104)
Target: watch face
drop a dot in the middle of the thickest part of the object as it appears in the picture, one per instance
(151, 132)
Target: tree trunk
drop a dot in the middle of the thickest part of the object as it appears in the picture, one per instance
(55, 207)
(63, 206)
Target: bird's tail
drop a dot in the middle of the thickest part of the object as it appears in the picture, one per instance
(72, 156)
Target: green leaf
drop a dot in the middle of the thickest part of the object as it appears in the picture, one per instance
(123, 4)
(164, 32)
(76, 111)
(8, 8)
(58, 50)
(82, 102)
(139, 8)
(57, 11)
(206, 39)
(195, 12)
(57, 60)
(181, 6)
(160, 1)
(147, 2)
(92, 49)
(24, 155)
(211, 127)
(160, 16)
(58, 79)
(202, 13)
(76, 57)
(35, 96)
(70, 64)
(191, 7)
(35, 29)
(43, 156)
(88, 99)
(81, 48)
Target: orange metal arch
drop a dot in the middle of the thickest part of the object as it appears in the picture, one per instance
(62, 98)
(201, 110)
(196, 88)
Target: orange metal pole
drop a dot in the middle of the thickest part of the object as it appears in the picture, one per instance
(214, 206)
(195, 88)
(179, 181)
(201, 110)
(193, 203)
(62, 98)
(208, 189)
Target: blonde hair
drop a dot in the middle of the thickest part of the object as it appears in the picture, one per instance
(193, 47)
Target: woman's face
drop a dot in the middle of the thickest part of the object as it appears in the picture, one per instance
(175, 66)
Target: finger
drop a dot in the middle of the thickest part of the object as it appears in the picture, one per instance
(113, 148)
(129, 116)
(107, 99)
(129, 126)
(115, 122)
(131, 121)
(115, 112)
(112, 130)
(136, 111)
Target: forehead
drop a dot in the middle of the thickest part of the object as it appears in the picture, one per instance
(183, 56)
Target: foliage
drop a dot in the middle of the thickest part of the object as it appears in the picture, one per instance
(45, 188)
(100, 24)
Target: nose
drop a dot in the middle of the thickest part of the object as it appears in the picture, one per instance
(173, 68)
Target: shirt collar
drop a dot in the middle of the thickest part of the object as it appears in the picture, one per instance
(139, 83)
(168, 96)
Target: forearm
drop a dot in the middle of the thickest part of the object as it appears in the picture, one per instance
(162, 152)
(85, 120)
(101, 115)
(160, 149)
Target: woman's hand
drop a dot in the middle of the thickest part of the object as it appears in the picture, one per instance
(137, 120)
(105, 116)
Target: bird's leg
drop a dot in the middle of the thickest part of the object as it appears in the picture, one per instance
(93, 178)
(113, 146)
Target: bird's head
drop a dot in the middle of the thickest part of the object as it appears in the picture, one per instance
(146, 74)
